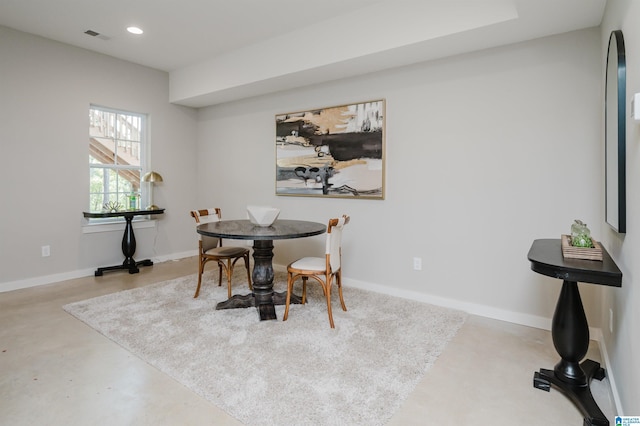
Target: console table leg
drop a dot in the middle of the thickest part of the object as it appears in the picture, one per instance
(129, 247)
(580, 395)
(570, 332)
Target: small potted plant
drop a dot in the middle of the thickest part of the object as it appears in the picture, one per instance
(580, 244)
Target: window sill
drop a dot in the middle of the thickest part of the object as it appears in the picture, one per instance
(90, 228)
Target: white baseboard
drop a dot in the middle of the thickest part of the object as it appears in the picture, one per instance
(176, 256)
(44, 280)
(54, 278)
(471, 308)
(599, 337)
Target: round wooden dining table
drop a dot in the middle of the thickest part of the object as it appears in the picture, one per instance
(263, 296)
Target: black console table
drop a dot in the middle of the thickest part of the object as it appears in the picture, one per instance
(128, 239)
(569, 327)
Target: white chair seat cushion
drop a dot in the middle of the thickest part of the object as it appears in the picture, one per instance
(310, 264)
(226, 251)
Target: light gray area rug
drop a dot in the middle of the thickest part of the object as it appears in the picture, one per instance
(273, 372)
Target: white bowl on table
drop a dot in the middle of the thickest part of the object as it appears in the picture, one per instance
(262, 215)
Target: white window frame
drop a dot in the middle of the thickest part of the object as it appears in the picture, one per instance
(144, 166)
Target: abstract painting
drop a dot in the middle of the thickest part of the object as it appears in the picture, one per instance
(332, 152)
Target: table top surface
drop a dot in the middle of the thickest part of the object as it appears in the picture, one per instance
(245, 230)
(547, 259)
(122, 213)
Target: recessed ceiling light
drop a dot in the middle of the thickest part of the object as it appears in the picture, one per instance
(135, 30)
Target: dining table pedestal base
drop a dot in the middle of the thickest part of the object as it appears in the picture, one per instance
(263, 296)
(266, 312)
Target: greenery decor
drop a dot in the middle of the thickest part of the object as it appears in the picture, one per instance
(580, 234)
(112, 206)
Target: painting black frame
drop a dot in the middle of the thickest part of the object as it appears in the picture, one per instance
(615, 134)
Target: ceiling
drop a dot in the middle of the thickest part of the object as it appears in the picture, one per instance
(206, 45)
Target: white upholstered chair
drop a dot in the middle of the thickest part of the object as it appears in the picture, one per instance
(322, 269)
(210, 248)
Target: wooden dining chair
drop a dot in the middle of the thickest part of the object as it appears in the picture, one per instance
(210, 248)
(322, 269)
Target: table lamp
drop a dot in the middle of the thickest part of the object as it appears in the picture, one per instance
(152, 177)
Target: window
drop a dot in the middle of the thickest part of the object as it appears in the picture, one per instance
(117, 148)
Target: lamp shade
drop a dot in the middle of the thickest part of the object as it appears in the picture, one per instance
(152, 177)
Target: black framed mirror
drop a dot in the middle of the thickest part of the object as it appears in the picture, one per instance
(615, 134)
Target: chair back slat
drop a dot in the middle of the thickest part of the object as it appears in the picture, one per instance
(207, 216)
(334, 241)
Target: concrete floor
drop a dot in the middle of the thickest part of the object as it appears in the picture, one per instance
(55, 370)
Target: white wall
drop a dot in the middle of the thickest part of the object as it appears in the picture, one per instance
(623, 344)
(45, 92)
(485, 153)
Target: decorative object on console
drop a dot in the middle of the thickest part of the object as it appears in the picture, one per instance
(112, 206)
(585, 253)
(332, 152)
(152, 177)
(580, 234)
(580, 244)
(134, 201)
(262, 215)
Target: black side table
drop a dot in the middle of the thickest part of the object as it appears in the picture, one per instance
(569, 327)
(128, 239)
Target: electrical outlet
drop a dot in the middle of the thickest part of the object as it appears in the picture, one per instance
(46, 251)
(417, 264)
